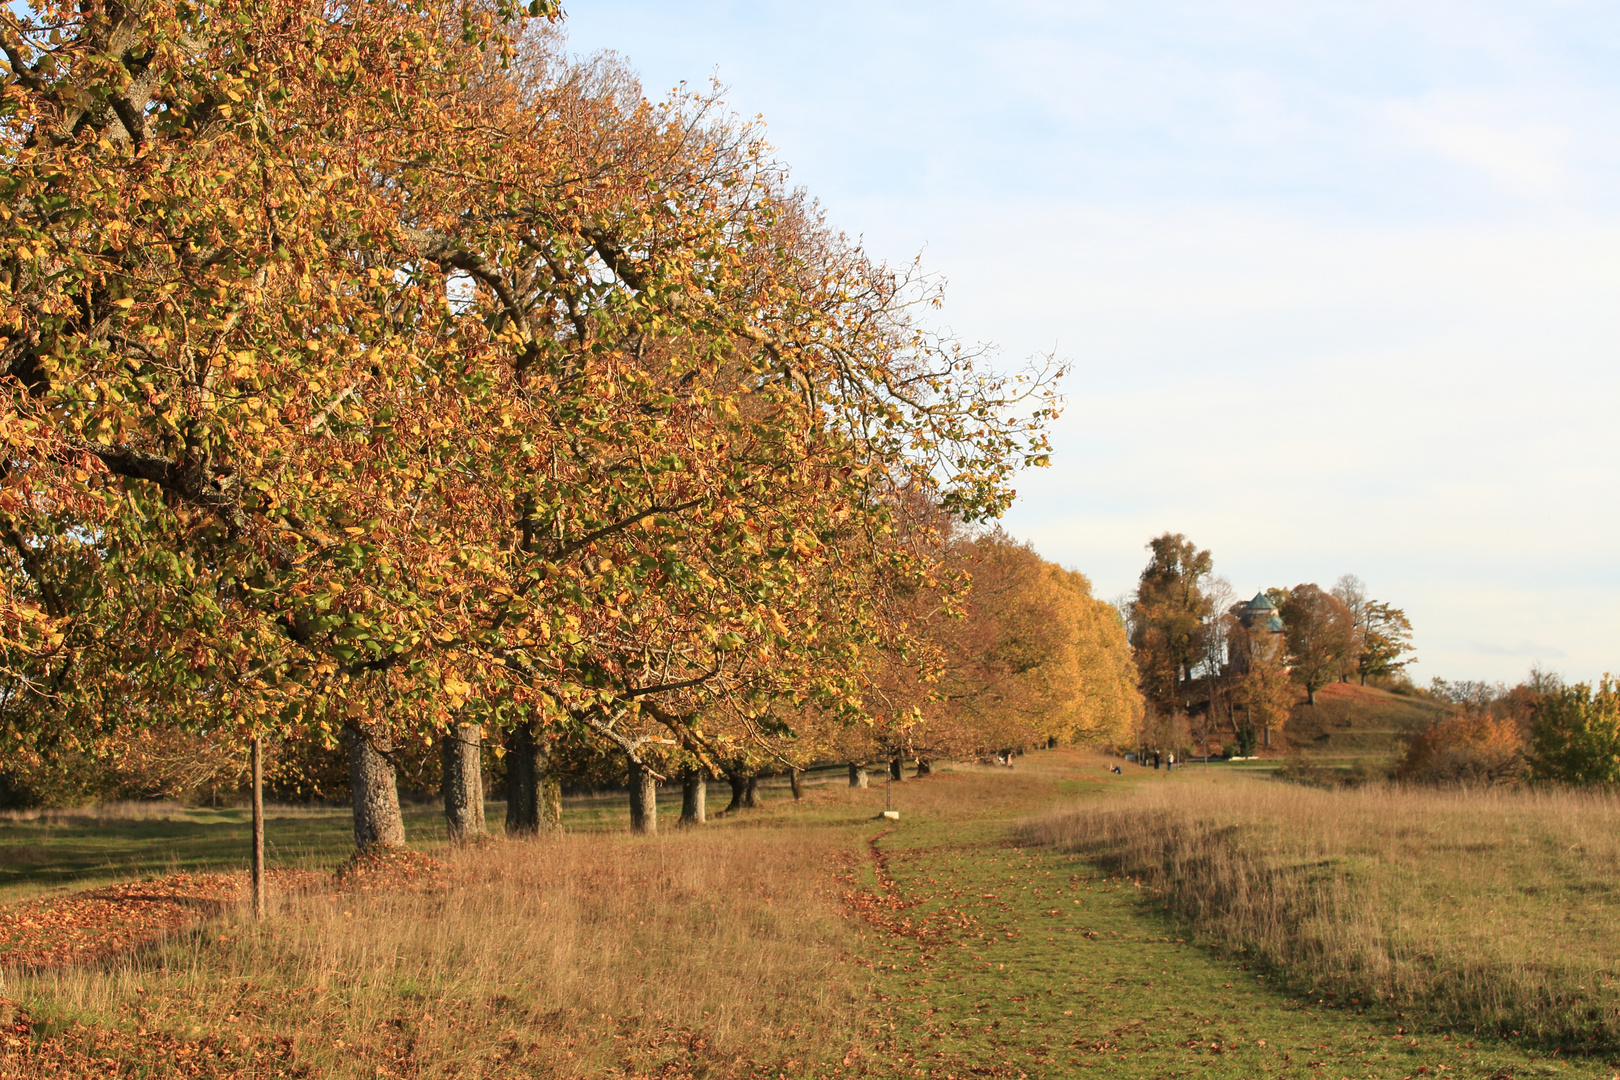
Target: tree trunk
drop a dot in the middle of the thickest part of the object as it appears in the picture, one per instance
(550, 797)
(643, 801)
(377, 820)
(857, 775)
(795, 777)
(739, 789)
(1310, 694)
(1051, 742)
(923, 768)
(461, 750)
(694, 797)
(897, 771)
(533, 794)
(750, 798)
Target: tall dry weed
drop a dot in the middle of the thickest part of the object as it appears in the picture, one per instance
(581, 956)
(1488, 910)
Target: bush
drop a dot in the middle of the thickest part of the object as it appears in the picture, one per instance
(1472, 749)
(1576, 735)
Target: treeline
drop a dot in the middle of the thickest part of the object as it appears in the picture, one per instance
(1216, 669)
(1542, 729)
(382, 380)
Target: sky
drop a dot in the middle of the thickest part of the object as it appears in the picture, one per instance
(1339, 283)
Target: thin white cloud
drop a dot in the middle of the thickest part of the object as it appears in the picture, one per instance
(1530, 160)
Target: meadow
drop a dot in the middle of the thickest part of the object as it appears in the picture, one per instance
(980, 935)
(1491, 910)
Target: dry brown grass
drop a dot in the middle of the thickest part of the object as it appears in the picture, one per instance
(718, 952)
(1489, 910)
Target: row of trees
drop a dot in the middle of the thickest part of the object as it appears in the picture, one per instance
(1203, 655)
(377, 376)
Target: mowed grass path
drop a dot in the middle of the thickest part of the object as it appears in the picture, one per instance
(1006, 961)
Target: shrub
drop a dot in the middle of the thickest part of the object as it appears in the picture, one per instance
(1576, 735)
(1468, 749)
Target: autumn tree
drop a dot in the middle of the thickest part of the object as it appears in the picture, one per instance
(1385, 642)
(1319, 636)
(1352, 592)
(1216, 670)
(1030, 657)
(1168, 614)
(1263, 693)
(194, 312)
(382, 384)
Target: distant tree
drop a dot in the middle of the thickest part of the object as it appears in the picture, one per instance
(1353, 592)
(1472, 695)
(1575, 737)
(1167, 618)
(1385, 637)
(1519, 704)
(1215, 669)
(1030, 656)
(1319, 635)
(1262, 697)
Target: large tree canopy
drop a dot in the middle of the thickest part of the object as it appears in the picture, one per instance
(375, 366)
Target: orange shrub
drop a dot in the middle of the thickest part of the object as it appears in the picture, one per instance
(1466, 749)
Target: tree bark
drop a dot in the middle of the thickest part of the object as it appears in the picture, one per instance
(550, 794)
(857, 775)
(377, 820)
(533, 792)
(897, 771)
(750, 797)
(795, 777)
(694, 797)
(461, 751)
(739, 789)
(643, 801)
(923, 768)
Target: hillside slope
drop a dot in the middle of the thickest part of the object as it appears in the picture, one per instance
(1354, 725)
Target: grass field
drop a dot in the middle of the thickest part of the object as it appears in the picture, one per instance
(42, 851)
(802, 939)
(1488, 910)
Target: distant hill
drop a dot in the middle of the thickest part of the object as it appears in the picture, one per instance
(1357, 728)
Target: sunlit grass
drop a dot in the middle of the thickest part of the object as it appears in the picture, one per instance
(1483, 910)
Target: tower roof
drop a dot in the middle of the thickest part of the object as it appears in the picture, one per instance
(1260, 603)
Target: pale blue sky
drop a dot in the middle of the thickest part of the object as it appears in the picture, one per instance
(1339, 282)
